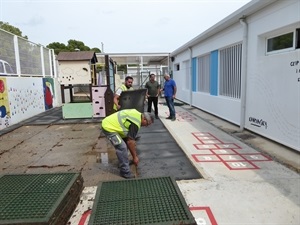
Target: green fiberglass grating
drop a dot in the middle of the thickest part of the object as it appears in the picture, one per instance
(139, 202)
(38, 199)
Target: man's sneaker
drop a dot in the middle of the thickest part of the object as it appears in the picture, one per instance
(156, 117)
(173, 118)
(127, 176)
(169, 117)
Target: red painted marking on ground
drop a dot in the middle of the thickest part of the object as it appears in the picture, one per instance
(84, 217)
(254, 155)
(204, 136)
(205, 158)
(208, 212)
(241, 165)
(227, 153)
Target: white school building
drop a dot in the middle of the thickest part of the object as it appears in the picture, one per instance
(246, 70)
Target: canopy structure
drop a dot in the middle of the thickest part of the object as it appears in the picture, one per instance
(160, 59)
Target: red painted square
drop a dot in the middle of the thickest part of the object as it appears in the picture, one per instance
(224, 151)
(211, 141)
(240, 165)
(256, 157)
(227, 146)
(202, 134)
(203, 215)
(202, 146)
(205, 158)
(231, 158)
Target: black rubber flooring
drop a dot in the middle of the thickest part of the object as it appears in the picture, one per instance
(160, 155)
(158, 151)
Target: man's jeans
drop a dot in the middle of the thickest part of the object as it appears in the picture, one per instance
(155, 101)
(170, 104)
(121, 151)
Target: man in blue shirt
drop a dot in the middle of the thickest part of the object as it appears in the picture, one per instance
(170, 93)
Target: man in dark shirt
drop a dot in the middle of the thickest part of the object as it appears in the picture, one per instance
(153, 90)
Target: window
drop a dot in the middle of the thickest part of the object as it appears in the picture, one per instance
(280, 42)
(186, 69)
(230, 71)
(204, 73)
(298, 38)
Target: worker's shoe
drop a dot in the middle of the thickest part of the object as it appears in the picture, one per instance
(127, 175)
(169, 118)
(156, 117)
(173, 118)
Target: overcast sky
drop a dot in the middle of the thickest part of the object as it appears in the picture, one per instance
(123, 26)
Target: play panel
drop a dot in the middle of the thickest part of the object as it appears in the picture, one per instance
(140, 201)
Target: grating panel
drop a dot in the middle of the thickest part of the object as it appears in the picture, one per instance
(15, 183)
(39, 198)
(140, 201)
(27, 205)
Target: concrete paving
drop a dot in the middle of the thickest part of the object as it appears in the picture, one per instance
(246, 179)
(242, 185)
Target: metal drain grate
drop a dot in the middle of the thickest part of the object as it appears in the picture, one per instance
(39, 198)
(140, 201)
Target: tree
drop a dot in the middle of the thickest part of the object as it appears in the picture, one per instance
(14, 30)
(58, 47)
(73, 45)
(97, 50)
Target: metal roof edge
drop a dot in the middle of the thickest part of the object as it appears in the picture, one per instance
(77, 56)
(245, 11)
(134, 54)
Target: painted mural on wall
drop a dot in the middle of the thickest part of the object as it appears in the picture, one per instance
(26, 97)
(48, 84)
(4, 105)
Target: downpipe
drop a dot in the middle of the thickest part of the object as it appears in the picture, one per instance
(244, 73)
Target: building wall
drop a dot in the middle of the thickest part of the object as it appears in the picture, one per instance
(226, 108)
(272, 105)
(273, 96)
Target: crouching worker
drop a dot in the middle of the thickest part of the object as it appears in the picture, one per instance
(121, 129)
